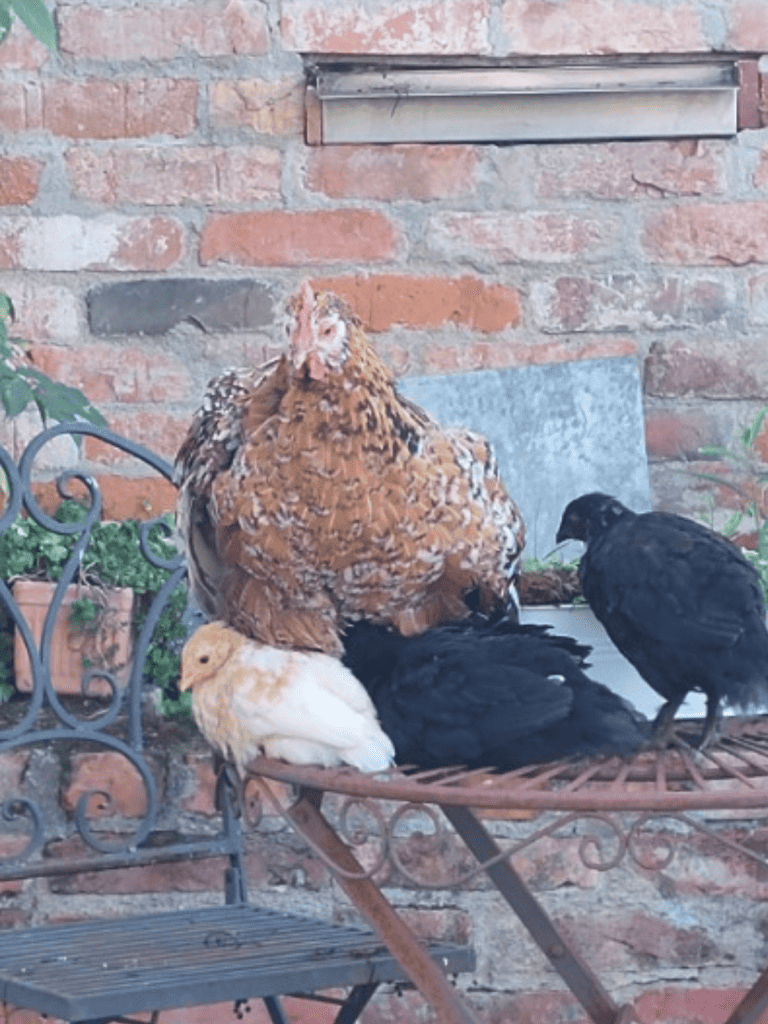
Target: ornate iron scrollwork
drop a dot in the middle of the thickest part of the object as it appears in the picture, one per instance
(113, 721)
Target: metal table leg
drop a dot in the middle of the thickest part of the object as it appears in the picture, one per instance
(571, 968)
(398, 938)
(752, 1006)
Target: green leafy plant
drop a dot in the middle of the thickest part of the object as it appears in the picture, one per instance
(748, 479)
(113, 558)
(22, 383)
(35, 16)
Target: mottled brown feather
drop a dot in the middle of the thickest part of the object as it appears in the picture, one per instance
(316, 496)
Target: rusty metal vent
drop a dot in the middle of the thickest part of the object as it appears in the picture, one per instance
(523, 104)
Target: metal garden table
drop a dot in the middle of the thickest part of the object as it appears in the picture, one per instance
(626, 795)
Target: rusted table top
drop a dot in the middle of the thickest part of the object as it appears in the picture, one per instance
(732, 774)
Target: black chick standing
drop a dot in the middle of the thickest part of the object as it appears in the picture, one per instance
(488, 694)
(680, 602)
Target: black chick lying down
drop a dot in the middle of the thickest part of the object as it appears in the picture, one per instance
(679, 601)
(488, 694)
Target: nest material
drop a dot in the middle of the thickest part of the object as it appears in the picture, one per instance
(549, 586)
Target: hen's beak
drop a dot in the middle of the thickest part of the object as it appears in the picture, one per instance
(303, 341)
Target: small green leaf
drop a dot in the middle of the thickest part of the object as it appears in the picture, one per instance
(5, 20)
(15, 395)
(732, 524)
(719, 451)
(38, 20)
(753, 430)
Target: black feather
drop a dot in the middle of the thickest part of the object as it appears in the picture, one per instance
(488, 693)
(680, 602)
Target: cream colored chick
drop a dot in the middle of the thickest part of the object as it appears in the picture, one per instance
(303, 707)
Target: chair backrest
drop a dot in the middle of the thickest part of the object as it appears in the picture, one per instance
(41, 835)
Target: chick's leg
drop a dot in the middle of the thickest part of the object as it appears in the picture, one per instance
(664, 723)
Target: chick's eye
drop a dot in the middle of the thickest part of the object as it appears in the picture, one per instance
(204, 659)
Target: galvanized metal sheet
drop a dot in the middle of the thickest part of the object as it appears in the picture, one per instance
(531, 117)
(558, 430)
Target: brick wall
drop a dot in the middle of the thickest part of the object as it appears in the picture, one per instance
(159, 204)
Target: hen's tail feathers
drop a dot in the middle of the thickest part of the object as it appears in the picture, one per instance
(489, 693)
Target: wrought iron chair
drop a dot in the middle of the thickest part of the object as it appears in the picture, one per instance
(95, 971)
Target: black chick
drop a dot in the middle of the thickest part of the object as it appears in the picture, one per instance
(488, 694)
(679, 601)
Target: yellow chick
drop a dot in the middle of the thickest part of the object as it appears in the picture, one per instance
(303, 707)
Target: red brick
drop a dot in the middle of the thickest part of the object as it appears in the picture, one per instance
(442, 358)
(748, 29)
(19, 179)
(174, 175)
(297, 1011)
(709, 368)
(15, 918)
(9, 245)
(155, 32)
(15, 1015)
(670, 434)
(111, 242)
(727, 234)
(161, 431)
(702, 865)
(279, 238)
(265, 106)
(602, 26)
(22, 50)
(203, 785)
(406, 26)
(392, 172)
(105, 109)
(629, 302)
(532, 1008)
(637, 940)
(383, 300)
(109, 772)
(172, 876)
(623, 170)
(12, 764)
(408, 1007)
(521, 237)
(438, 924)
(11, 847)
(124, 497)
(44, 312)
(116, 373)
(20, 106)
(698, 1005)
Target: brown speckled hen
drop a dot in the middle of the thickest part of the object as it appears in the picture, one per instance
(313, 495)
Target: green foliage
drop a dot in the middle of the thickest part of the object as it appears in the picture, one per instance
(113, 558)
(22, 383)
(748, 479)
(35, 16)
(534, 564)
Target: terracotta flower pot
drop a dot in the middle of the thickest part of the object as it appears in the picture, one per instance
(74, 650)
